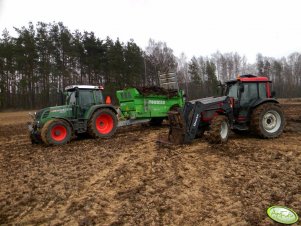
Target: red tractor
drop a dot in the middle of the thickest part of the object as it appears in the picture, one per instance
(247, 106)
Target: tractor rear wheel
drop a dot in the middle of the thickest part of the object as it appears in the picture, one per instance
(102, 124)
(219, 130)
(56, 132)
(268, 120)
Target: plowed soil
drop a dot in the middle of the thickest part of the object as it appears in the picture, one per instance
(131, 180)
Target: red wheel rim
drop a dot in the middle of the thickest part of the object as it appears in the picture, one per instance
(104, 123)
(58, 132)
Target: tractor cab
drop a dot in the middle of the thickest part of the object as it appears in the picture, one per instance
(247, 92)
(82, 97)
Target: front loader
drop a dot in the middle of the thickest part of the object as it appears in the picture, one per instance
(248, 106)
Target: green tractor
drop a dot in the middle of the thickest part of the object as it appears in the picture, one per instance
(85, 111)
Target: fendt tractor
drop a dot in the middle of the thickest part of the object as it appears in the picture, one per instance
(248, 105)
(85, 111)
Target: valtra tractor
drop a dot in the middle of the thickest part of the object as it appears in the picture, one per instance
(85, 111)
(248, 105)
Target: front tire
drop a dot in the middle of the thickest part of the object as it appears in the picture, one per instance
(219, 130)
(103, 124)
(268, 120)
(56, 132)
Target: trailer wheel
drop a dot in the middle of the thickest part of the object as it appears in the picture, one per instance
(156, 121)
(268, 120)
(102, 124)
(219, 130)
(56, 132)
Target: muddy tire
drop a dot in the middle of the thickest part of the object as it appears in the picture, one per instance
(219, 130)
(267, 120)
(103, 123)
(56, 132)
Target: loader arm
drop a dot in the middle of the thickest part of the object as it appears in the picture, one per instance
(195, 116)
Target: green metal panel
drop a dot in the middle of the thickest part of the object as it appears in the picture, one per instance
(134, 105)
(64, 111)
(93, 108)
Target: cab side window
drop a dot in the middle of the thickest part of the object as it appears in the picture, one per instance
(86, 97)
(98, 97)
(262, 90)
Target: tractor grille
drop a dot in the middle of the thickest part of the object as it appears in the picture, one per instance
(39, 114)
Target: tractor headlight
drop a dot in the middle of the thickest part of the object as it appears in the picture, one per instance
(33, 116)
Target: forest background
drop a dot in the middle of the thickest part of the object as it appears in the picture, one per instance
(42, 59)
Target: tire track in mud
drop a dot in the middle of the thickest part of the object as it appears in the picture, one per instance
(255, 174)
(130, 180)
(96, 188)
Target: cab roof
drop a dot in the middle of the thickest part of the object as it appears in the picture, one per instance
(249, 78)
(83, 87)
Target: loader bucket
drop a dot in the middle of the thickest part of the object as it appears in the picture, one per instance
(177, 127)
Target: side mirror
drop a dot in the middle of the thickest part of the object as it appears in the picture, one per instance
(76, 93)
(61, 97)
(273, 94)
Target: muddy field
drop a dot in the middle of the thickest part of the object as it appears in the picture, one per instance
(130, 180)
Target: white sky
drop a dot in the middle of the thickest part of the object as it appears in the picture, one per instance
(195, 27)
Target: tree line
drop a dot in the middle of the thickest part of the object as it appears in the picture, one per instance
(202, 73)
(44, 58)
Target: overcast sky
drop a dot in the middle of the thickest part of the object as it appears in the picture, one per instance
(195, 27)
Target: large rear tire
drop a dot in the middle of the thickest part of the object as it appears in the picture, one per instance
(103, 124)
(56, 132)
(267, 120)
(219, 130)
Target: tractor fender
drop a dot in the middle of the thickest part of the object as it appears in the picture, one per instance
(263, 101)
(66, 120)
(260, 102)
(100, 106)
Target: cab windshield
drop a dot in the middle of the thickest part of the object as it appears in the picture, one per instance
(232, 90)
(86, 97)
(70, 98)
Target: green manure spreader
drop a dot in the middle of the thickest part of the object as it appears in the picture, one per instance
(151, 104)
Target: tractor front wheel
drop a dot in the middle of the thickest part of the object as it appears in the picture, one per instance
(219, 130)
(56, 132)
(102, 124)
(268, 120)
